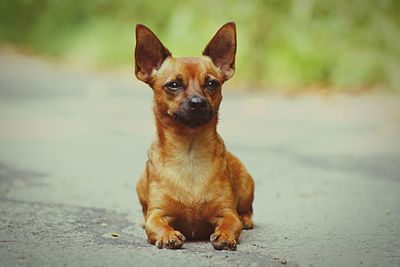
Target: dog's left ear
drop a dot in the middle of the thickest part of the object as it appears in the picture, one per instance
(222, 49)
(150, 53)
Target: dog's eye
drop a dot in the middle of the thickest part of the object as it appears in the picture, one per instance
(212, 84)
(174, 85)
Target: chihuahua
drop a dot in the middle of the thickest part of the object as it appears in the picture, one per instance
(192, 187)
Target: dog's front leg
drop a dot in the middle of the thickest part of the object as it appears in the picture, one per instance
(160, 232)
(227, 231)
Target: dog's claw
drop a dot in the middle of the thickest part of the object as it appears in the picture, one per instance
(223, 241)
(172, 240)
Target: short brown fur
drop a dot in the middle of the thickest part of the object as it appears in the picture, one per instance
(192, 186)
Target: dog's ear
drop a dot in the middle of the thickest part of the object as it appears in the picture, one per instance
(149, 53)
(222, 49)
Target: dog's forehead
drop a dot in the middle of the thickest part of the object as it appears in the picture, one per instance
(189, 67)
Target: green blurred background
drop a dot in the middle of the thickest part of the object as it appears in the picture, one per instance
(348, 46)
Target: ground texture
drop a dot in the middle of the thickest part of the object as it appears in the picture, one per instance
(73, 144)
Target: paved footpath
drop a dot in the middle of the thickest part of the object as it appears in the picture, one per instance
(73, 144)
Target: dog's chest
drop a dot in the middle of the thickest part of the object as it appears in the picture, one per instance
(187, 181)
(191, 193)
(189, 174)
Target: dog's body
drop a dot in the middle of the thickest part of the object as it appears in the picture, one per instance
(192, 187)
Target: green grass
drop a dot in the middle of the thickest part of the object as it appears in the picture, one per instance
(342, 45)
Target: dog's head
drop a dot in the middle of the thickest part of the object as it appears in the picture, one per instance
(186, 90)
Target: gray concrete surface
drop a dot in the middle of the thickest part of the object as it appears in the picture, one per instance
(73, 144)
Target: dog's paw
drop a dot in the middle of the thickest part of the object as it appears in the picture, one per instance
(172, 240)
(247, 222)
(221, 240)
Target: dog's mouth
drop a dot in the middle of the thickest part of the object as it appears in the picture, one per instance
(193, 118)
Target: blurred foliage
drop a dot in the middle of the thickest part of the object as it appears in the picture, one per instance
(281, 44)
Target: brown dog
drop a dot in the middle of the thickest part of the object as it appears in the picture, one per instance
(192, 187)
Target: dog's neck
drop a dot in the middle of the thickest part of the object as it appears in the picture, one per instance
(176, 139)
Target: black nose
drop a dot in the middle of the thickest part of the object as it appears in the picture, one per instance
(197, 102)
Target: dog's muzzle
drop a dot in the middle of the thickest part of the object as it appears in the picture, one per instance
(194, 112)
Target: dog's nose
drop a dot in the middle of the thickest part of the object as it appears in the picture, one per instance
(197, 102)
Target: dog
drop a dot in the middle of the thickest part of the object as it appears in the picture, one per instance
(192, 187)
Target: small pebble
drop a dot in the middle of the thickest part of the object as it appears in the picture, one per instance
(283, 261)
(114, 234)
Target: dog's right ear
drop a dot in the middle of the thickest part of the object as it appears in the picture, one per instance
(222, 49)
(149, 53)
